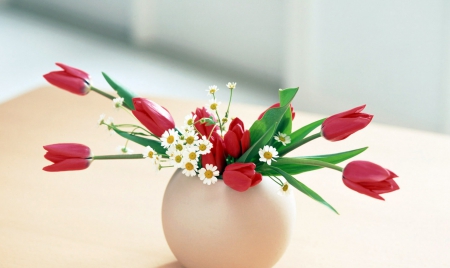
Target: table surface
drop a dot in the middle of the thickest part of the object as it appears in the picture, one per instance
(109, 214)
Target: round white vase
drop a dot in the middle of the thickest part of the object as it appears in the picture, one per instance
(215, 226)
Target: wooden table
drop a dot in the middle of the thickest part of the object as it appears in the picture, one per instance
(109, 214)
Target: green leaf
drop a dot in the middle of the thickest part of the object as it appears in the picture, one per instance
(254, 149)
(298, 136)
(303, 188)
(274, 117)
(156, 145)
(121, 91)
(295, 165)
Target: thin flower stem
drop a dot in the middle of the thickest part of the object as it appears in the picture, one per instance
(109, 96)
(118, 156)
(229, 102)
(276, 181)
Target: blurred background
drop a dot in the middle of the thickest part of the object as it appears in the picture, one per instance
(393, 55)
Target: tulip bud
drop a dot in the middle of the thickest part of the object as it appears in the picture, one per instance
(237, 139)
(203, 127)
(153, 116)
(342, 125)
(70, 79)
(217, 155)
(67, 156)
(241, 176)
(276, 105)
(369, 179)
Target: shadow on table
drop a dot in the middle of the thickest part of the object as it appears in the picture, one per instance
(173, 264)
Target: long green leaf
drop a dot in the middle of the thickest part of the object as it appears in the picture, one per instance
(294, 165)
(274, 116)
(254, 149)
(156, 145)
(298, 135)
(303, 188)
(121, 91)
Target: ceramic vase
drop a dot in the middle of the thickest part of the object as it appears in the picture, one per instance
(215, 226)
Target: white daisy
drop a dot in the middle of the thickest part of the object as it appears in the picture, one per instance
(213, 105)
(109, 122)
(212, 90)
(190, 154)
(267, 154)
(208, 174)
(283, 138)
(169, 138)
(117, 102)
(124, 150)
(190, 138)
(204, 146)
(101, 120)
(231, 85)
(177, 159)
(284, 190)
(189, 120)
(189, 168)
(152, 155)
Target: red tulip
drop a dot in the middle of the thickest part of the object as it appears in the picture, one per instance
(203, 128)
(67, 156)
(241, 176)
(153, 116)
(217, 155)
(342, 125)
(70, 79)
(237, 139)
(276, 105)
(369, 179)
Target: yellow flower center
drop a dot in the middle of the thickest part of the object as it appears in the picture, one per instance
(192, 155)
(170, 139)
(190, 140)
(213, 106)
(212, 91)
(150, 154)
(281, 138)
(190, 122)
(179, 147)
(178, 158)
(267, 155)
(189, 166)
(224, 120)
(285, 187)
(208, 174)
(202, 147)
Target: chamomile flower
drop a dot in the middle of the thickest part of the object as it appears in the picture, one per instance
(190, 154)
(283, 138)
(177, 159)
(190, 138)
(231, 85)
(152, 155)
(212, 90)
(169, 138)
(190, 168)
(267, 154)
(204, 145)
(208, 174)
(109, 122)
(118, 102)
(213, 105)
(124, 150)
(284, 190)
(101, 120)
(189, 120)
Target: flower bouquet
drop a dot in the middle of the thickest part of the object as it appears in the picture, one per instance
(211, 148)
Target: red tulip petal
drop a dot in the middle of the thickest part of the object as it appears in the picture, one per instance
(236, 180)
(232, 144)
(256, 179)
(68, 164)
(74, 71)
(245, 141)
(365, 171)
(54, 158)
(361, 189)
(63, 80)
(345, 113)
(69, 150)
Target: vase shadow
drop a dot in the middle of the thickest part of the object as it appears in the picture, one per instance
(174, 264)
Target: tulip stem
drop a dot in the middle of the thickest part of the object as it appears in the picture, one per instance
(109, 96)
(313, 162)
(118, 156)
(309, 138)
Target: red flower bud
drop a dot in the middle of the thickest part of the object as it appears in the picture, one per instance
(67, 156)
(241, 176)
(203, 128)
(70, 79)
(342, 125)
(369, 179)
(276, 105)
(237, 139)
(153, 116)
(217, 155)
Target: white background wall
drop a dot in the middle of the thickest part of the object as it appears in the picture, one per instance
(392, 55)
